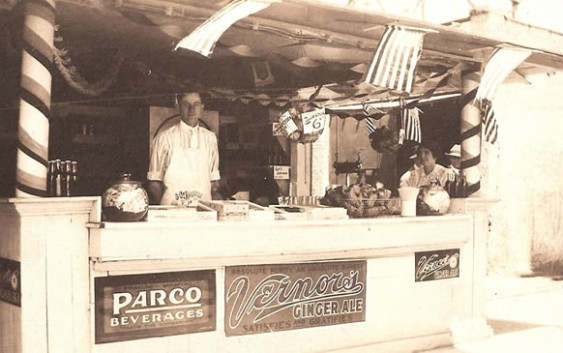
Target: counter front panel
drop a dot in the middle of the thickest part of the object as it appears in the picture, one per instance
(289, 286)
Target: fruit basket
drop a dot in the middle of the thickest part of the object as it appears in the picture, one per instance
(363, 201)
(366, 208)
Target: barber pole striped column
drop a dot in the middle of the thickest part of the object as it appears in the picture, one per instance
(35, 98)
(470, 133)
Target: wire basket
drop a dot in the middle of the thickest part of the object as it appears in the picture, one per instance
(366, 208)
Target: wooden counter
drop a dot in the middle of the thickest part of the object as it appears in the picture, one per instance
(401, 314)
(233, 243)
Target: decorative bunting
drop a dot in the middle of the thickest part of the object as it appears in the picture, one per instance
(73, 78)
(490, 130)
(395, 59)
(305, 61)
(432, 83)
(243, 50)
(357, 112)
(413, 131)
(204, 38)
(499, 66)
(282, 101)
(370, 125)
(344, 99)
(354, 111)
(263, 99)
(372, 113)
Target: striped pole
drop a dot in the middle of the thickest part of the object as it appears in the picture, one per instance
(35, 98)
(470, 132)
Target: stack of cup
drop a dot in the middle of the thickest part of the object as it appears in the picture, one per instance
(408, 195)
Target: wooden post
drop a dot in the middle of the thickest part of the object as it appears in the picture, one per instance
(35, 98)
(470, 132)
(320, 162)
(48, 238)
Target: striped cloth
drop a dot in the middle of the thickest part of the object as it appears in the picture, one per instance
(395, 58)
(370, 125)
(411, 123)
(204, 38)
(499, 66)
(490, 130)
(371, 113)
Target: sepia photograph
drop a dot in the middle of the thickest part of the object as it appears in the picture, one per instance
(281, 176)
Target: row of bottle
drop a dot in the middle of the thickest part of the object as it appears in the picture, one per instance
(62, 178)
(457, 187)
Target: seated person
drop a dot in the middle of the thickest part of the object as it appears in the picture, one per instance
(417, 164)
(430, 173)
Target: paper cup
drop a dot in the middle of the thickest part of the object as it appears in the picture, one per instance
(408, 208)
(408, 195)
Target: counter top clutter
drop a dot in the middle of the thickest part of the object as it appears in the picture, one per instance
(363, 200)
(236, 210)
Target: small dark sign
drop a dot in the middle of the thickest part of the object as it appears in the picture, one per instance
(157, 304)
(434, 265)
(10, 285)
(269, 298)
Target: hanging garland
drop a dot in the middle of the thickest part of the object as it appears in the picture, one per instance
(76, 81)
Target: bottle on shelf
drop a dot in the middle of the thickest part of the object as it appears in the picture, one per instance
(64, 179)
(52, 179)
(450, 184)
(74, 179)
(67, 178)
(58, 191)
(460, 187)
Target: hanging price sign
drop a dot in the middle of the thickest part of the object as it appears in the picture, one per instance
(314, 121)
(277, 129)
(288, 126)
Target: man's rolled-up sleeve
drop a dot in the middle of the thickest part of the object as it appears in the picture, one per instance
(158, 160)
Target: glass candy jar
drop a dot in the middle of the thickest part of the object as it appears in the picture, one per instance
(432, 200)
(125, 201)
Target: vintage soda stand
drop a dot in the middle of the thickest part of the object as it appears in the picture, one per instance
(70, 282)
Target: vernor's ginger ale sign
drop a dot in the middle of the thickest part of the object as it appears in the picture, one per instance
(268, 298)
(150, 305)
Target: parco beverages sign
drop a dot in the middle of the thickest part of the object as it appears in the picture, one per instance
(149, 305)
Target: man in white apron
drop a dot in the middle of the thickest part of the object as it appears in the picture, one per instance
(184, 165)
